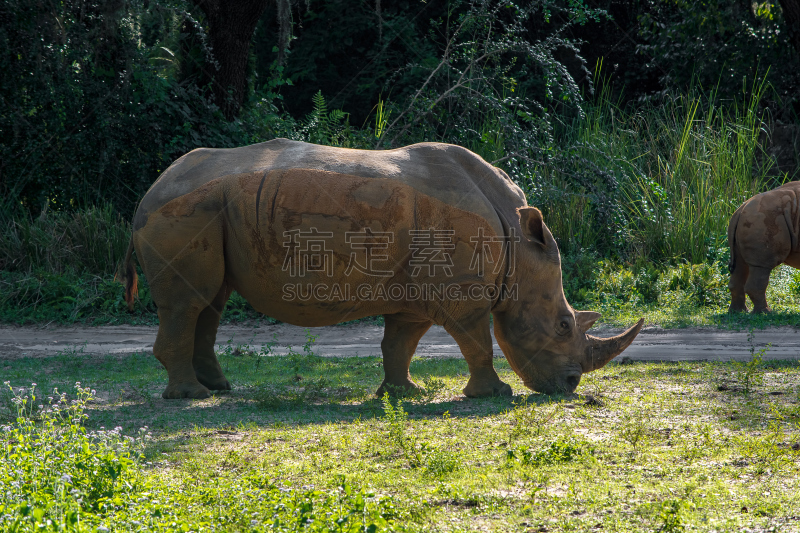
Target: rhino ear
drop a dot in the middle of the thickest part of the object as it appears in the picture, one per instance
(585, 319)
(533, 226)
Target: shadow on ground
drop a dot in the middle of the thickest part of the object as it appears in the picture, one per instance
(268, 391)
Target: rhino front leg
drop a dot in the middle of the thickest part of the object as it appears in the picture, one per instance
(756, 288)
(400, 339)
(205, 363)
(475, 341)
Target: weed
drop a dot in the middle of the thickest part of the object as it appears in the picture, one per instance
(308, 347)
(703, 284)
(528, 419)
(266, 350)
(634, 430)
(561, 450)
(431, 388)
(60, 477)
(748, 374)
(439, 462)
(669, 516)
(206, 466)
(396, 420)
(58, 470)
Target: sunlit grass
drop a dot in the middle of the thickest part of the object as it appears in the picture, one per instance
(644, 446)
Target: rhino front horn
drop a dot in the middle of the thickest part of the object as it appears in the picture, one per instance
(604, 350)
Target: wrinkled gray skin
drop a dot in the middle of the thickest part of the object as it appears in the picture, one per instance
(217, 221)
(762, 234)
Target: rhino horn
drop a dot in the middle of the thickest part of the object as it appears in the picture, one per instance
(604, 350)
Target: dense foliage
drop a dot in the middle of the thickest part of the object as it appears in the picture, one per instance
(637, 127)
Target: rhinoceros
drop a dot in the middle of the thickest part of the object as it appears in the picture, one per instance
(315, 235)
(762, 234)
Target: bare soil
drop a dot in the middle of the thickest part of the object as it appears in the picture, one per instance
(360, 340)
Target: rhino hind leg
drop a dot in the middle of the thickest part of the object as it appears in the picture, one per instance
(204, 360)
(186, 273)
(739, 275)
(400, 340)
(174, 347)
(756, 288)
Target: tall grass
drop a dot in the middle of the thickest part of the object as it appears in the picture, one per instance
(92, 240)
(655, 183)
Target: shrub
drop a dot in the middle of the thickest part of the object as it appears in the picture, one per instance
(57, 476)
(705, 283)
(52, 470)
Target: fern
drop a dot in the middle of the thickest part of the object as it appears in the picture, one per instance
(323, 126)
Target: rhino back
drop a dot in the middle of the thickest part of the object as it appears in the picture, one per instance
(448, 173)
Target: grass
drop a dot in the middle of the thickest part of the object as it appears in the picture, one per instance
(645, 447)
(676, 297)
(657, 182)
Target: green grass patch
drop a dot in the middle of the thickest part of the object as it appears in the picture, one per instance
(666, 296)
(302, 443)
(674, 296)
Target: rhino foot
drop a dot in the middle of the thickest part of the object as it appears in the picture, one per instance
(398, 390)
(185, 390)
(761, 310)
(215, 383)
(737, 309)
(480, 389)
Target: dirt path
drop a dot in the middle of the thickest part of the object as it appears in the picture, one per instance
(652, 344)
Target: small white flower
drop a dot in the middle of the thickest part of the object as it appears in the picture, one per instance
(102, 529)
(66, 478)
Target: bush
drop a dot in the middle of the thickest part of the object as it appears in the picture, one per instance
(705, 284)
(720, 44)
(57, 476)
(52, 471)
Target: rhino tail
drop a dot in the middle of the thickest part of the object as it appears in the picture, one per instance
(732, 238)
(129, 278)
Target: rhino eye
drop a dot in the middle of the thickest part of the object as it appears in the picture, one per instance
(563, 326)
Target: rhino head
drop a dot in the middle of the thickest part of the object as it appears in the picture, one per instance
(543, 338)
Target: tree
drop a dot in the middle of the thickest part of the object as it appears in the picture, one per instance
(230, 28)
